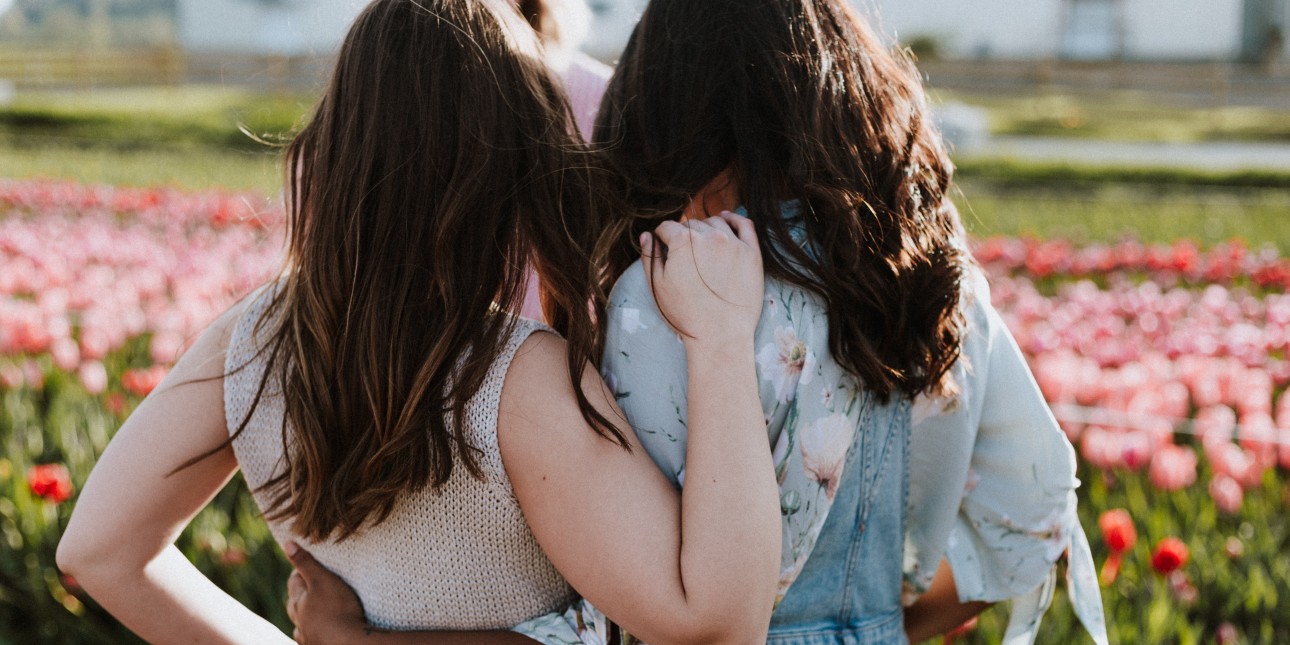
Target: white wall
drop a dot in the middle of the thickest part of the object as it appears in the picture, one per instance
(245, 26)
(1152, 29)
(1183, 29)
(972, 28)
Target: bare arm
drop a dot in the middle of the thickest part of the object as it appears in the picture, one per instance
(701, 567)
(939, 610)
(119, 543)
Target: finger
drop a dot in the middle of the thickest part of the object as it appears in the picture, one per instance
(672, 234)
(700, 226)
(719, 223)
(649, 259)
(649, 247)
(296, 585)
(743, 227)
(304, 562)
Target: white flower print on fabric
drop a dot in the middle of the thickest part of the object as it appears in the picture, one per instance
(824, 450)
(787, 362)
(630, 320)
(581, 624)
(928, 405)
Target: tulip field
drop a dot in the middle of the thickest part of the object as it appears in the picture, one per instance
(1166, 364)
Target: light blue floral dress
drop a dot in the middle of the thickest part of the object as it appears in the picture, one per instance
(985, 480)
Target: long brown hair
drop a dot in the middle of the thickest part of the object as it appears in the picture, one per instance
(799, 100)
(440, 163)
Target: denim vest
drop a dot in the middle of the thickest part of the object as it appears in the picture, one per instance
(849, 590)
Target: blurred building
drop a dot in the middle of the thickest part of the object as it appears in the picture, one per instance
(1154, 30)
(1145, 30)
(264, 27)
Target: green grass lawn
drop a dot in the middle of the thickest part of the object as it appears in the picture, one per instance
(193, 137)
(1114, 211)
(152, 117)
(193, 168)
(1123, 115)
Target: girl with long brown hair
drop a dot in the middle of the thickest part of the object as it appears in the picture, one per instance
(921, 474)
(453, 462)
(561, 26)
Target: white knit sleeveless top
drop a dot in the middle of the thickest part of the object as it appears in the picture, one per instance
(457, 558)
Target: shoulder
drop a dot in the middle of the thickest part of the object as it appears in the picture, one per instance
(537, 384)
(205, 359)
(630, 283)
(539, 419)
(540, 355)
(538, 375)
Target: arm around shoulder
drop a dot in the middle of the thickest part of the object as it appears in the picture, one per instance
(612, 523)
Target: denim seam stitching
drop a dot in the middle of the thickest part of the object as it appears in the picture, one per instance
(853, 555)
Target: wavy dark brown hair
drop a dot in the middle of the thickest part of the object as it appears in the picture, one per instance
(440, 163)
(799, 100)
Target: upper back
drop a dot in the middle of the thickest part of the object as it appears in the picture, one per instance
(457, 557)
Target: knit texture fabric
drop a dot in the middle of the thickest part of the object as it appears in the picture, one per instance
(460, 557)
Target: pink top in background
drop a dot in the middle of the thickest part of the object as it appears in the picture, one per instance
(585, 79)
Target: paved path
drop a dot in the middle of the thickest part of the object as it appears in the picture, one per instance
(1219, 156)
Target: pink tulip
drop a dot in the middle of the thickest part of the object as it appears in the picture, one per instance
(1215, 424)
(32, 375)
(1135, 450)
(1283, 411)
(1258, 436)
(1099, 447)
(94, 343)
(1226, 493)
(10, 376)
(66, 354)
(1230, 460)
(1173, 468)
(93, 377)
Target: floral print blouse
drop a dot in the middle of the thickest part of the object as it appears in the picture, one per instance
(992, 476)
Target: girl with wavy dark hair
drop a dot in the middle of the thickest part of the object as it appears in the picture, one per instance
(461, 467)
(921, 474)
(890, 384)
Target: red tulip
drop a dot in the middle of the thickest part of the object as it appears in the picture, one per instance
(1118, 530)
(1170, 555)
(51, 482)
(142, 382)
(1120, 536)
